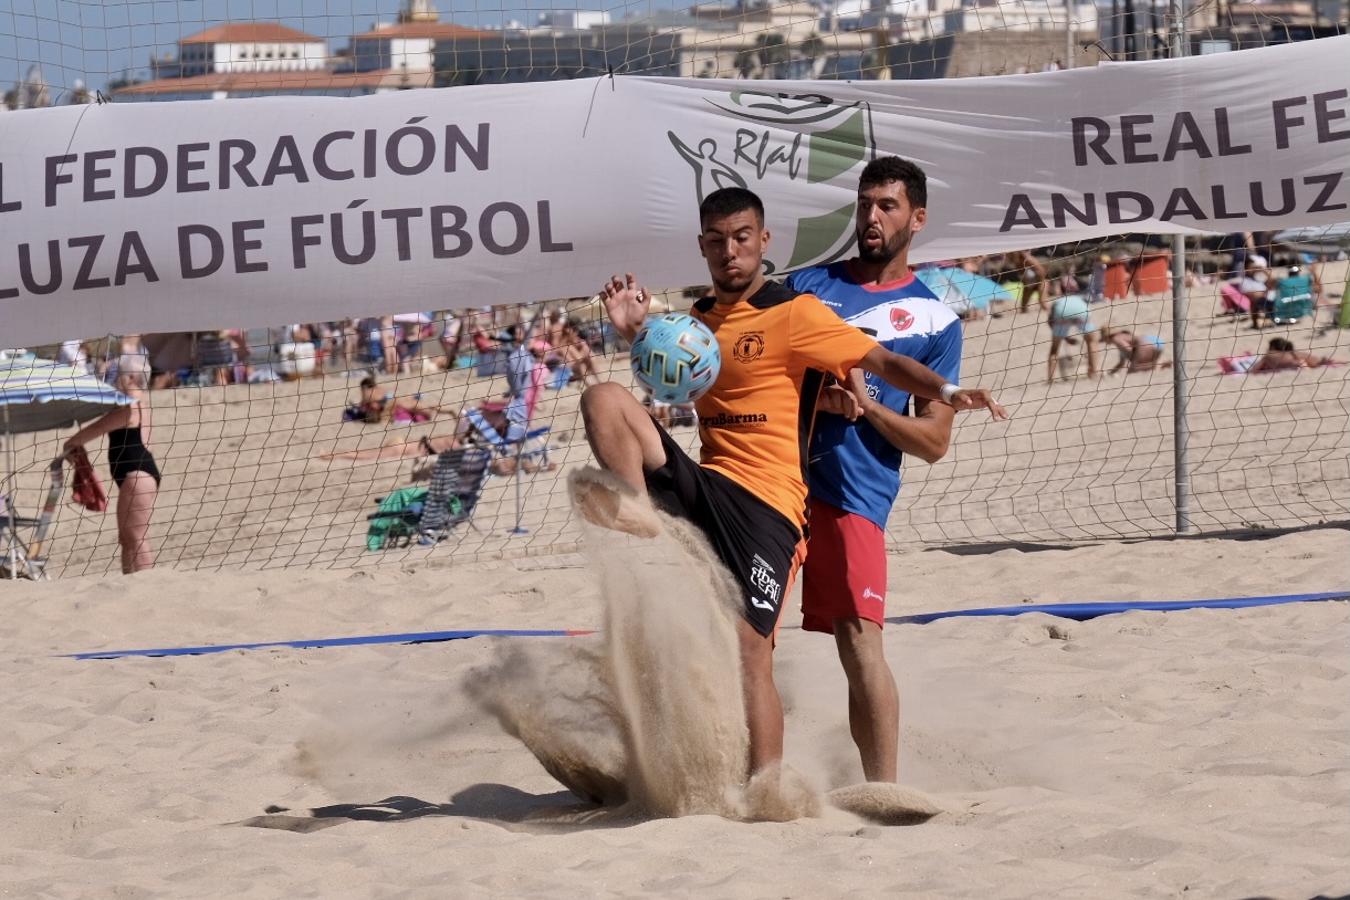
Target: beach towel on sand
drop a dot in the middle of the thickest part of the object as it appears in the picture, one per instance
(389, 524)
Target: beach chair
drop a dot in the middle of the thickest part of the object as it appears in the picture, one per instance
(16, 563)
(24, 559)
(531, 448)
(1293, 300)
(457, 480)
(529, 453)
(1232, 301)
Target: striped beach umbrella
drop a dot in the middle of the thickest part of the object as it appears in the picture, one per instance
(39, 395)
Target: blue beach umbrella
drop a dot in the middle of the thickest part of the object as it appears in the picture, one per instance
(980, 291)
(962, 291)
(938, 280)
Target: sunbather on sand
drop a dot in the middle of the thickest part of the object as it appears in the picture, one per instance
(1281, 356)
(374, 407)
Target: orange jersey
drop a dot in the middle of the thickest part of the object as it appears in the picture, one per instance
(755, 422)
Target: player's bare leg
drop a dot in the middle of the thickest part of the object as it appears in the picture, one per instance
(763, 706)
(873, 699)
(626, 444)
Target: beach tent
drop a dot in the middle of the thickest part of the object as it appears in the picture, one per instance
(41, 395)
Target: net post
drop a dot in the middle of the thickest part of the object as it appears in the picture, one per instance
(1180, 386)
(11, 484)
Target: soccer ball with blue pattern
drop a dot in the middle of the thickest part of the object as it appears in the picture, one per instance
(676, 356)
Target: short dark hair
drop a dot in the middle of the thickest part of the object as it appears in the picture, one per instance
(729, 201)
(1281, 344)
(886, 169)
(367, 382)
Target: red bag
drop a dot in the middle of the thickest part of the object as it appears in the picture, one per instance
(86, 489)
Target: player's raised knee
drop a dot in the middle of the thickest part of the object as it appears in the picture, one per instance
(604, 399)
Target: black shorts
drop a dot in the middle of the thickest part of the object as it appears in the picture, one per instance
(756, 543)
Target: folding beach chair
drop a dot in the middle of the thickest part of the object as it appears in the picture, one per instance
(457, 481)
(1293, 300)
(532, 446)
(24, 559)
(1291, 309)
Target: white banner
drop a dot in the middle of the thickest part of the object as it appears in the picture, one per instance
(195, 215)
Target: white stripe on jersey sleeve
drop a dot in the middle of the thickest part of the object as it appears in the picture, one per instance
(930, 317)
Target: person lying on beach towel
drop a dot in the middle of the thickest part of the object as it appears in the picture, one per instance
(374, 407)
(1281, 356)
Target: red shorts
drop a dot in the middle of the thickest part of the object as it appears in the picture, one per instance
(845, 572)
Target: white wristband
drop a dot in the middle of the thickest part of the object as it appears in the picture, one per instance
(948, 391)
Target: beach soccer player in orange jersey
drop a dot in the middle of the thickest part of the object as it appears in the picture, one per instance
(747, 494)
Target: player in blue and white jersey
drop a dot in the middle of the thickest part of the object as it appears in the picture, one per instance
(855, 465)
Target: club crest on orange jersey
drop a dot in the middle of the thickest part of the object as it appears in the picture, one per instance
(749, 346)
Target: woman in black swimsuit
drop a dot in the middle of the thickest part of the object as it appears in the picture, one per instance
(130, 461)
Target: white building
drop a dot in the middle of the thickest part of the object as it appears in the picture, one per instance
(1026, 15)
(250, 47)
(927, 18)
(407, 46)
(573, 19)
(263, 59)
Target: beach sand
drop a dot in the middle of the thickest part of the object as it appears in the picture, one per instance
(1200, 753)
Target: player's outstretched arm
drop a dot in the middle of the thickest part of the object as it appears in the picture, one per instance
(913, 376)
(927, 434)
(627, 303)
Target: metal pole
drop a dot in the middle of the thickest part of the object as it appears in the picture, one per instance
(520, 461)
(1069, 38)
(1129, 43)
(11, 484)
(1180, 386)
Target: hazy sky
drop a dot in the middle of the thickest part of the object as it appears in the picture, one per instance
(95, 40)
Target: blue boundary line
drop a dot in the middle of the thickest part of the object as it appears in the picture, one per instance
(1085, 611)
(413, 637)
(1078, 611)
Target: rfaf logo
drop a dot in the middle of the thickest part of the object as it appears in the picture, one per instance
(805, 139)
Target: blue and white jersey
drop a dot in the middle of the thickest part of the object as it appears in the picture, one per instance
(853, 467)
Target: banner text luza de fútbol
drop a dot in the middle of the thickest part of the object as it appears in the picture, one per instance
(352, 235)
